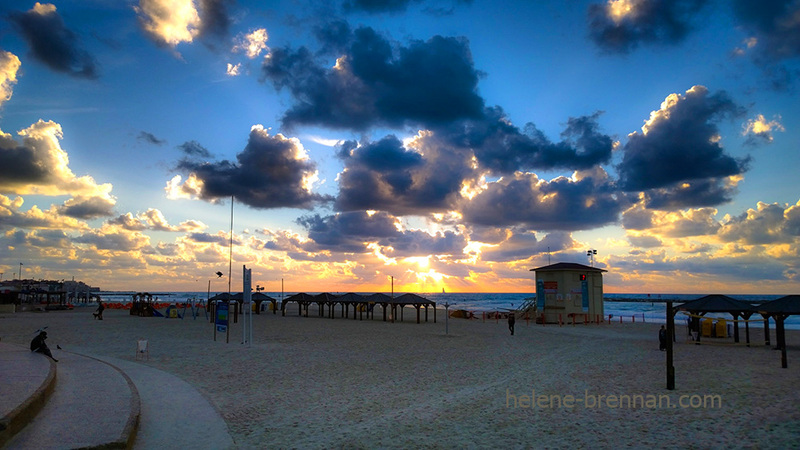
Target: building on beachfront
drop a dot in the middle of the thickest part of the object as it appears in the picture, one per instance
(38, 293)
(569, 291)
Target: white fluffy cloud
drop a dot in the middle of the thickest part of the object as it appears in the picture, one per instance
(169, 21)
(253, 43)
(9, 65)
(761, 129)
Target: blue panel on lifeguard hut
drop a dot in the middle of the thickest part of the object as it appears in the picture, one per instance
(540, 293)
(585, 294)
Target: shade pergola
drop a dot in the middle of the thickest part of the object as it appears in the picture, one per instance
(260, 298)
(302, 299)
(716, 303)
(417, 302)
(360, 303)
(780, 309)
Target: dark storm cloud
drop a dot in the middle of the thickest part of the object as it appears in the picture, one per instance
(150, 138)
(695, 193)
(677, 159)
(385, 176)
(268, 173)
(128, 222)
(194, 149)
(644, 241)
(334, 36)
(560, 204)
(52, 43)
(637, 218)
(349, 232)
(88, 207)
(122, 242)
(419, 243)
(205, 238)
(503, 148)
(522, 245)
(768, 224)
(376, 83)
(214, 18)
(377, 6)
(19, 165)
(775, 23)
(648, 22)
(396, 6)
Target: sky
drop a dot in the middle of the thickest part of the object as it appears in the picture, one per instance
(451, 144)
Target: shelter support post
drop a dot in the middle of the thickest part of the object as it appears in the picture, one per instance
(779, 325)
(670, 333)
(747, 329)
(766, 329)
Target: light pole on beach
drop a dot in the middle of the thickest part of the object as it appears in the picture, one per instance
(446, 317)
(590, 254)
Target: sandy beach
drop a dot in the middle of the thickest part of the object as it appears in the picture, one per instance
(318, 382)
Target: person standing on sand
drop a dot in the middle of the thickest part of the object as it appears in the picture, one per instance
(38, 345)
(511, 321)
(662, 338)
(99, 313)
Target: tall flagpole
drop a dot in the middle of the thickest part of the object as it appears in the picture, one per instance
(230, 253)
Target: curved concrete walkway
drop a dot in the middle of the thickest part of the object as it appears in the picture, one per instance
(95, 400)
(175, 415)
(92, 405)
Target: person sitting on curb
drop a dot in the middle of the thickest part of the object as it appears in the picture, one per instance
(38, 345)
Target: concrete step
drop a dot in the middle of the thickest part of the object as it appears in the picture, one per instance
(26, 381)
(94, 404)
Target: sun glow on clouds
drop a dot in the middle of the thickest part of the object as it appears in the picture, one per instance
(619, 9)
(169, 21)
(191, 189)
(9, 66)
(42, 141)
(761, 127)
(422, 262)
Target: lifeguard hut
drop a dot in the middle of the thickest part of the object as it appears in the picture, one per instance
(569, 292)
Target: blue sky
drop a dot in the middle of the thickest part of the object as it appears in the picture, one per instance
(451, 145)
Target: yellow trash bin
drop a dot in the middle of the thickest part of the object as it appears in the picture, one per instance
(721, 329)
(705, 327)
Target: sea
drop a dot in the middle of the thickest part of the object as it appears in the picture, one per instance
(650, 308)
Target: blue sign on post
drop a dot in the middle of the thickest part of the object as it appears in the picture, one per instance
(221, 320)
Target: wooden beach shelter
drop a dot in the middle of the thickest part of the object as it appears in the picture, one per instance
(416, 301)
(716, 303)
(357, 301)
(779, 310)
(326, 299)
(378, 298)
(258, 298)
(569, 291)
(302, 299)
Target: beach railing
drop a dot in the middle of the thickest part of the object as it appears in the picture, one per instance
(557, 318)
